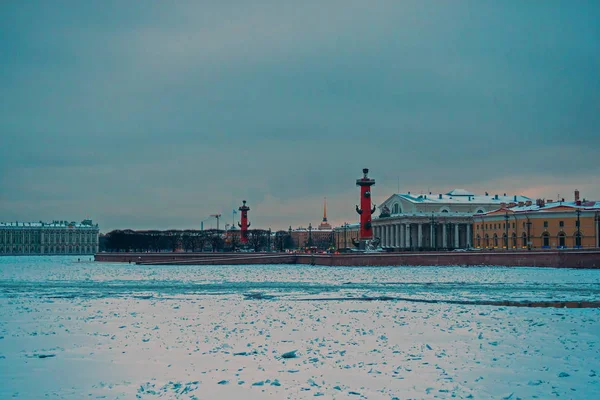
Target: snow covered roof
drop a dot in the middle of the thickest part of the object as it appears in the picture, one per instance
(349, 226)
(552, 206)
(460, 192)
(462, 196)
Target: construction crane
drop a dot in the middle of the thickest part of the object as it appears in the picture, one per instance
(217, 216)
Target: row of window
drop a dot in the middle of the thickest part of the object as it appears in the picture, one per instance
(48, 250)
(561, 224)
(577, 236)
(18, 239)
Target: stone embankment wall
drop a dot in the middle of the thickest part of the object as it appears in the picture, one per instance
(557, 259)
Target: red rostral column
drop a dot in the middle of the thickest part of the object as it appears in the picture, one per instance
(365, 211)
(244, 225)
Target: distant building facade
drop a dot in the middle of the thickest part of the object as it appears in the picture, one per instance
(320, 238)
(434, 221)
(57, 237)
(345, 235)
(543, 225)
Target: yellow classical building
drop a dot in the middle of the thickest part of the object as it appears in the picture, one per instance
(544, 225)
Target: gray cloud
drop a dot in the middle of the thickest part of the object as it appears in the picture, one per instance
(156, 116)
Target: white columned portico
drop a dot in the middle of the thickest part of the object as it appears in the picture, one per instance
(420, 235)
(456, 236)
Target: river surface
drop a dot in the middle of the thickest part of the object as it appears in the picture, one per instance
(71, 328)
(66, 277)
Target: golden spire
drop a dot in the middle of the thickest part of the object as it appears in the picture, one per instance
(325, 209)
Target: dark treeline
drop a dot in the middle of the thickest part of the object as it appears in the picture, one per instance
(192, 240)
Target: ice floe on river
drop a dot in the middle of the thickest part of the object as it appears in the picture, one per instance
(84, 330)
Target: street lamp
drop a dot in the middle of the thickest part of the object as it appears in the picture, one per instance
(597, 220)
(506, 229)
(516, 229)
(433, 224)
(310, 243)
(578, 234)
(345, 242)
(528, 232)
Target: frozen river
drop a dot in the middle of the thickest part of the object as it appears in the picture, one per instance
(75, 330)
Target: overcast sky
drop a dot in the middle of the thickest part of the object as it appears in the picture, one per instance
(158, 114)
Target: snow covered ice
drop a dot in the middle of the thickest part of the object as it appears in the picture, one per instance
(73, 330)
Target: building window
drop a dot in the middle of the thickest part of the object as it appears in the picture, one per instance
(546, 239)
(480, 211)
(578, 239)
(487, 240)
(514, 240)
(513, 225)
(495, 240)
(561, 224)
(478, 241)
(545, 224)
(505, 241)
(561, 239)
(524, 240)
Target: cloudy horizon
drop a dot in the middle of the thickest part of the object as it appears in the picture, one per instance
(149, 115)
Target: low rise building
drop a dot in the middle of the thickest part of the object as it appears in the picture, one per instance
(545, 224)
(57, 237)
(311, 238)
(434, 221)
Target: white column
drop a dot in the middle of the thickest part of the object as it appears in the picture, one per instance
(444, 237)
(397, 235)
(469, 236)
(456, 236)
(388, 238)
(407, 236)
(420, 235)
(402, 235)
(431, 235)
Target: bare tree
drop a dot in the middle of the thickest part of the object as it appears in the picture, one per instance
(257, 239)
